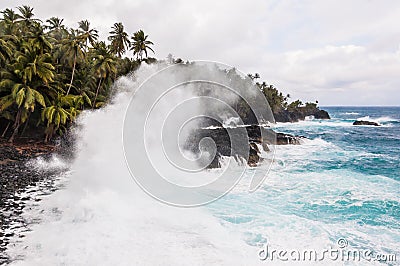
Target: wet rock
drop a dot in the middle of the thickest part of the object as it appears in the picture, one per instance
(250, 140)
(300, 113)
(17, 176)
(286, 139)
(365, 123)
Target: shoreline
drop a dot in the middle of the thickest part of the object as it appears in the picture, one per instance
(16, 176)
(19, 175)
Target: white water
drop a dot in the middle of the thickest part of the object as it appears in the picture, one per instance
(231, 122)
(378, 120)
(103, 218)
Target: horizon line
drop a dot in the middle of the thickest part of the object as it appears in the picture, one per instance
(359, 106)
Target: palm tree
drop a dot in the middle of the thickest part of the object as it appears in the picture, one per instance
(27, 15)
(86, 83)
(56, 28)
(10, 19)
(40, 40)
(50, 70)
(6, 50)
(90, 35)
(140, 44)
(104, 66)
(61, 111)
(25, 98)
(29, 63)
(24, 77)
(73, 47)
(119, 39)
(55, 23)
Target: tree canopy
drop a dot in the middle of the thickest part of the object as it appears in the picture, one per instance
(49, 73)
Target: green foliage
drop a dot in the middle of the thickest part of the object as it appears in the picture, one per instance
(294, 105)
(119, 39)
(50, 73)
(140, 44)
(279, 102)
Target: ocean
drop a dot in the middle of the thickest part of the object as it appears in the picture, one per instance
(338, 190)
(341, 183)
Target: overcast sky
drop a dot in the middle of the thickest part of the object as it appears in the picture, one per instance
(339, 52)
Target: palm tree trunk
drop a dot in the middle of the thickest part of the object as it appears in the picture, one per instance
(49, 133)
(17, 124)
(97, 93)
(72, 77)
(26, 125)
(5, 130)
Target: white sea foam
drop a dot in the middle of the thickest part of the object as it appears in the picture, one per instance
(351, 113)
(231, 122)
(299, 206)
(382, 119)
(314, 123)
(55, 162)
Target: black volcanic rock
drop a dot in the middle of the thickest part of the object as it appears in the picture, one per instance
(17, 176)
(321, 114)
(299, 113)
(257, 137)
(286, 139)
(365, 123)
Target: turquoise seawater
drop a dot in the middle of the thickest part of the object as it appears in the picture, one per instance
(343, 182)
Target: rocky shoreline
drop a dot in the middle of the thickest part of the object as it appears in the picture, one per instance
(258, 136)
(299, 114)
(17, 175)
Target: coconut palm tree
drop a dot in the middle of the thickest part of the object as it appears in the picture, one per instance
(23, 79)
(140, 44)
(49, 69)
(26, 17)
(25, 98)
(56, 28)
(32, 64)
(104, 66)
(59, 113)
(73, 51)
(10, 19)
(119, 39)
(6, 51)
(89, 35)
(55, 23)
(40, 40)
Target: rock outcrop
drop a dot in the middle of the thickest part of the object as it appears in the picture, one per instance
(223, 138)
(299, 113)
(365, 123)
(286, 139)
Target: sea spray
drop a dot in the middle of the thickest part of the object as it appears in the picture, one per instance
(168, 106)
(342, 183)
(102, 217)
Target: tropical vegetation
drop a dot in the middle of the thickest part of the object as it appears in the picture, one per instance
(279, 102)
(49, 73)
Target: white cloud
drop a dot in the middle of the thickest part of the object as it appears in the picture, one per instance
(340, 75)
(337, 52)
